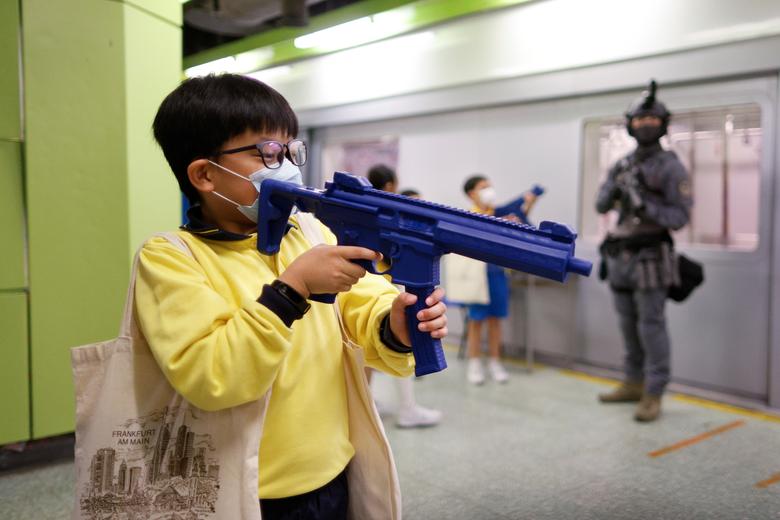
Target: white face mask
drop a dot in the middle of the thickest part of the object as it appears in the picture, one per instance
(287, 172)
(487, 196)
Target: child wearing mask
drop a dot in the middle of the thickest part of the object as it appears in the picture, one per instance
(227, 324)
(483, 196)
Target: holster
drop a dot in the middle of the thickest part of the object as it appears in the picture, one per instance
(650, 256)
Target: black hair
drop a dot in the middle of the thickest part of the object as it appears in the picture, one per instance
(379, 175)
(472, 181)
(410, 193)
(203, 113)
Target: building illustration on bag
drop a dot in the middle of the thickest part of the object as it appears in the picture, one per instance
(158, 468)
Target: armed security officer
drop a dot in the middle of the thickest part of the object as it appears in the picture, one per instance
(651, 191)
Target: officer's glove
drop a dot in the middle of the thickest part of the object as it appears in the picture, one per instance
(616, 192)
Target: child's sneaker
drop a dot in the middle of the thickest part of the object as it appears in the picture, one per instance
(417, 417)
(475, 374)
(497, 371)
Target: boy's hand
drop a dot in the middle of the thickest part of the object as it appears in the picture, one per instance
(433, 319)
(327, 269)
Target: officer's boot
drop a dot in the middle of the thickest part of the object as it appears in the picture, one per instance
(627, 392)
(649, 408)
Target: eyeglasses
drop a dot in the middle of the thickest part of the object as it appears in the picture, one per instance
(273, 152)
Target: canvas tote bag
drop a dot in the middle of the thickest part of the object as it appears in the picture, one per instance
(142, 451)
(374, 491)
(465, 280)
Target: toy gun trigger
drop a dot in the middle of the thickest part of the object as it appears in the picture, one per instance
(368, 265)
(380, 267)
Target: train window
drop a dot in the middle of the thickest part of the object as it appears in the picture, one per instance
(358, 157)
(721, 149)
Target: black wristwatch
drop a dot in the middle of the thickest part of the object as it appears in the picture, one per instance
(291, 295)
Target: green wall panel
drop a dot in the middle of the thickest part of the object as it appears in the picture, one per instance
(14, 370)
(10, 107)
(76, 189)
(153, 194)
(12, 261)
(84, 175)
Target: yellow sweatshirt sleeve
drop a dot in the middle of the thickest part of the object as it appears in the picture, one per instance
(215, 353)
(362, 309)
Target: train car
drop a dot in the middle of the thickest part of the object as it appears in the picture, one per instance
(557, 119)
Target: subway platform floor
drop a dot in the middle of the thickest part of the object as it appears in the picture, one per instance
(539, 447)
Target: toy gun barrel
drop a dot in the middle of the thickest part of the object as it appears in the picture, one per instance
(547, 251)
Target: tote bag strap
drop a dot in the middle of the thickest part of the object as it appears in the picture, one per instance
(313, 233)
(310, 228)
(368, 502)
(128, 318)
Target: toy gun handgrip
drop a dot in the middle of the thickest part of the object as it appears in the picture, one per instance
(428, 354)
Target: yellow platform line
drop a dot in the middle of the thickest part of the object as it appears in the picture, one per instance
(712, 405)
(588, 377)
(696, 439)
(689, 399)
(449, 347)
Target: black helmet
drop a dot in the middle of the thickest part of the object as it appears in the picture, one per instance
(648, 105)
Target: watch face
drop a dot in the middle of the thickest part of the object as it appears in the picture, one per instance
(291, 295)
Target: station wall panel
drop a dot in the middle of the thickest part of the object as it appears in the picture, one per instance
(12, 260)
(14, 368)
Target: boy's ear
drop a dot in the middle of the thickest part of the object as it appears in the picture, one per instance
(199, 173)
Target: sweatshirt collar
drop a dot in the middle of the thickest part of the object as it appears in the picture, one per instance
(198, 226)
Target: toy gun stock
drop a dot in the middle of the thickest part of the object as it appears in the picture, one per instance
(412, 235)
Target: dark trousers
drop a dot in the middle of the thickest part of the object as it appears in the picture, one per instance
(326, 503)
(646, 339)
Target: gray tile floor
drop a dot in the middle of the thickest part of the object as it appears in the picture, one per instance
(539, 447)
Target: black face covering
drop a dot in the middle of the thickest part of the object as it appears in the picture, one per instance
(647, 135)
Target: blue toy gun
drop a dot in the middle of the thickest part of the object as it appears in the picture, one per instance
(517, 206)
(413, 234)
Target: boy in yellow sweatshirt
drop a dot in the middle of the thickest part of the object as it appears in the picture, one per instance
(228, 323)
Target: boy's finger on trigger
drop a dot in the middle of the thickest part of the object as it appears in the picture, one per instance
(358, 253)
